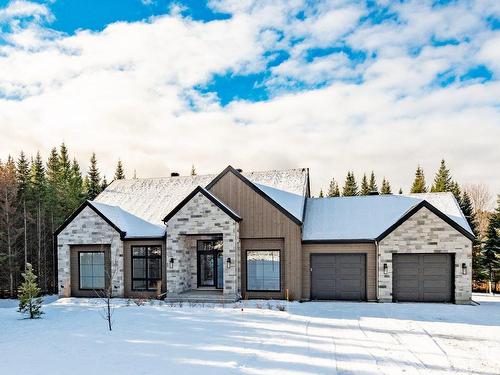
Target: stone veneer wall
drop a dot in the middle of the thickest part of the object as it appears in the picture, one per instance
(424, 232)
(200, 217)
(89, 228)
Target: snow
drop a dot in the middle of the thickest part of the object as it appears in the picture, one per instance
(221, 202)
(366, 217)
(249, 338)
(133, 226)
(293, 203)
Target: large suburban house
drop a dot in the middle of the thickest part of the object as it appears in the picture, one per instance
(260, 235)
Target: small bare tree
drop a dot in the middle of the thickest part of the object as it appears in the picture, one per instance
(106, 294)
(481, 201)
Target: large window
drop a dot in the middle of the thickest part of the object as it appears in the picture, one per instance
(263, 270)
(146, 267)
(92, 275)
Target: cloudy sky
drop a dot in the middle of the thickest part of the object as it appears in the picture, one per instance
(333, 85)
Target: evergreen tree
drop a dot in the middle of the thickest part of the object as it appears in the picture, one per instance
(442, 180)
(333, 189)
(104, 183)
(373, 183)
(455, 189)
(38, 186)
(350, 186)
(77, 194)
(478, 271)
(193, 171)
(321, 195)
(30, 301)
(491, 250)
(94, 179)
(419, 182)
(365, 188)
(119, 173)
(23, 192)
(386, 187)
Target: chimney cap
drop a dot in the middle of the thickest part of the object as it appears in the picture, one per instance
(239, 170)
(174, 174)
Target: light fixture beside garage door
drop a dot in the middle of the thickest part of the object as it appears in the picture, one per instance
(386, 270)
(464, 269)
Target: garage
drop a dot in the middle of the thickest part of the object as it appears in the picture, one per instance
(338, 276)
(423, 278)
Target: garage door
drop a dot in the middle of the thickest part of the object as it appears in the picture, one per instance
(338, 276)
(423, 277)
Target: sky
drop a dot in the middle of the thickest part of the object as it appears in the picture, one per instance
(329, 85)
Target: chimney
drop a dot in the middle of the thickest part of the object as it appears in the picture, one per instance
(174, 174)
(239, 170)
(373, 192)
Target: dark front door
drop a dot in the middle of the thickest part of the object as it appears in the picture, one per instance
(338, 276)
(210, 264)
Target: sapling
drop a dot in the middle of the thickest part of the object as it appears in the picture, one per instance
(30, 301)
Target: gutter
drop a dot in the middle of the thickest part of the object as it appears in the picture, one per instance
(376, 269)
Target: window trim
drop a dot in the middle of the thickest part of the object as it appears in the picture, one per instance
(246, 271)
(80, 270)
(146, 257)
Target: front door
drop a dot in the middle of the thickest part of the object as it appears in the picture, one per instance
(210, 264)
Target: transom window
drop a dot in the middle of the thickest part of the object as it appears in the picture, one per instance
(146, 267)
(92, 275)
(263, 270)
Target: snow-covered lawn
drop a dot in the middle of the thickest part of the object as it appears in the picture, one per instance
(309, 338)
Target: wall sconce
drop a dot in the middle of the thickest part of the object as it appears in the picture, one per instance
(171, 262)
(464, 269)
(386, 269)
(228, 262)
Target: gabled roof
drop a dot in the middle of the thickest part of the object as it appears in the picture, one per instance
(293, 203)
(233, 215)
(370, 218)
(151, 198)
(127, 225)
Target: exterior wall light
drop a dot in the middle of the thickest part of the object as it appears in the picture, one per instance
(386, 269)
(171, 262)
(228, 262)
(464, 269)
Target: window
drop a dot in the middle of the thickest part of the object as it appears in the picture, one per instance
(91, 270)
(263, 270)
(146, 267)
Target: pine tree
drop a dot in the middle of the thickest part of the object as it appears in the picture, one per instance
(478, 271)
(94, 179)
(321, 194)
(193, 171)
(23, 192)
(30, 301)
(350, 185)
(333, 189)
(442, 181)
(38, 186)
(386, 187)
(419, 182)
(77, 194)
(365, 188)
(104, 183)
(373, 183)
(119, 173)
(457, 192)
(491, 250)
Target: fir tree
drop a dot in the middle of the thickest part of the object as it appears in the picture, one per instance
(491, 250)
(94, 179)
(23, 177)
(76, 186)
(419, 182)
(350, 186)
(193, 171)
(119, 173)
(455, 189)
(321, 195)
(373, 183)
(30, 301)
(333, 189)
(442, 181)
(365, 188)
(38, 186)
(386, 187)
(104, 183)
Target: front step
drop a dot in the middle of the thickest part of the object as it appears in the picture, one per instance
(201, 297)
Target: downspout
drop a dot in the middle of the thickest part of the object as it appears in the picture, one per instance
(376, 270)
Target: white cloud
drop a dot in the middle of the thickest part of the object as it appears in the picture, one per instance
(128, 92)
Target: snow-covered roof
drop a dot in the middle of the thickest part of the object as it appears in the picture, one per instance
(293, 203)
(131, 225)
(367, 217)
(152, 198)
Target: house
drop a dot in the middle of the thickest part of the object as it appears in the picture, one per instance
(260, 235)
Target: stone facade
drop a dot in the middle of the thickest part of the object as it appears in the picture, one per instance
(200, 217)
(89, 228)
(424, 232)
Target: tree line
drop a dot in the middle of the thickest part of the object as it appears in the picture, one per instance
(472, 199)
(36, 196)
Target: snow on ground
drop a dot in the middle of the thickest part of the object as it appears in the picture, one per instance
(309, 338)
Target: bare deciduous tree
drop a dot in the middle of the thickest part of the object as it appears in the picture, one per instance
(106, 294)
(481, 201)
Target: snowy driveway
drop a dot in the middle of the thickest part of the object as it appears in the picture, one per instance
(309, 338)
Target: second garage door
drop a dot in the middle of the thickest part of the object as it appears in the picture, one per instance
(338, 276)
(423, 277)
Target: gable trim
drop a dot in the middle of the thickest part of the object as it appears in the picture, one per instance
(99, 213)
(435, 211)
(210, 197)
(252, 186)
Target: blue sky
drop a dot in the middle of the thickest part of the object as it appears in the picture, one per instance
(333, 81)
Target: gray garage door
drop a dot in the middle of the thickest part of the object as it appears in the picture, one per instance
(338, 276)
(423, 277)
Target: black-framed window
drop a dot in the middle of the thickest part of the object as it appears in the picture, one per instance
(146, 267)
(263, 270)
(92, 274)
